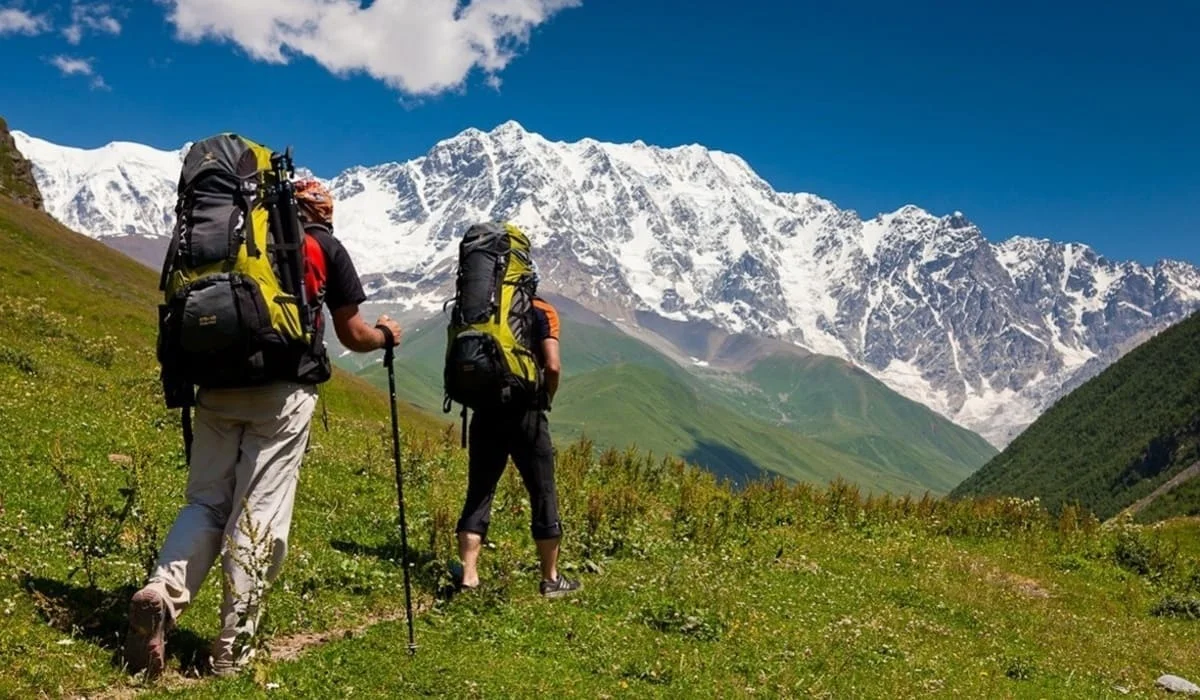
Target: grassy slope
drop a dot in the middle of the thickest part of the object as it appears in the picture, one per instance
(1116, 438)
(845, 407)
(834, 420)
(675, 417)
(780, 591)
(418, 367)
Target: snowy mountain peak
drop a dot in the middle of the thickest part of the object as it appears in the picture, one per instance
(119, 189)
(911, 212)
(115, 154)
(511, 128)
(987, 334)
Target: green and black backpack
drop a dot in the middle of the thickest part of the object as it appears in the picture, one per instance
(234, 311)
(489, 362)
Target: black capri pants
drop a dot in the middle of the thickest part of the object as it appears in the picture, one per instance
(525, 436)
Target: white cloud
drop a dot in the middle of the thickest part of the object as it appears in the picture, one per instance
(71, 65)
(90, 17)
(419, 47)
(15, 21)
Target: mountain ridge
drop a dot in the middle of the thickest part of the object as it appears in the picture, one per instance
(987, 334)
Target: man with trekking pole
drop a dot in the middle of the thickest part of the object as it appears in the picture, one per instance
(252, 263)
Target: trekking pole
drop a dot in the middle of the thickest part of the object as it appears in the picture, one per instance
(388, 356)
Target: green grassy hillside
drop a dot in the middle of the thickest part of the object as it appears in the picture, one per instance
(418, 366)
(843, 406)
(679, 418)
(1116, 438)
(777, 590)
(811, 418)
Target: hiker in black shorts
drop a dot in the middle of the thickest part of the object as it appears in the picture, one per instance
(523, 434)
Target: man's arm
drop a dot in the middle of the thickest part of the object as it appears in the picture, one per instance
(343, 294)
(353, 331)
(553, 366)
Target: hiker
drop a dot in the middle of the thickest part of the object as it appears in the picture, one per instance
(249, 441)
(515, 425)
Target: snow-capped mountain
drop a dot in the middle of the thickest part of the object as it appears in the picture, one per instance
(122, 189)
(989, 334)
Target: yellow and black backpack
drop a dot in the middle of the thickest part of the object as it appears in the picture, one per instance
(489, 362)
(234, 311)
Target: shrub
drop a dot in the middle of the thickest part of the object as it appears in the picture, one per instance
(20, 360)
(1185, 607)
(1144, 555)
(697, 624)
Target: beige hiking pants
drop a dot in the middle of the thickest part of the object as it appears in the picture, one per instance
(246, 457)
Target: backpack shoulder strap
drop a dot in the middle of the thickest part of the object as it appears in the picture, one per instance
(173, 248)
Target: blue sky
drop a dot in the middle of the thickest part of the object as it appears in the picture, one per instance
(1068, 120)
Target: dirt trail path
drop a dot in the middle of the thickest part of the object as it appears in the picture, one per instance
(285, 648)
(1175, 482)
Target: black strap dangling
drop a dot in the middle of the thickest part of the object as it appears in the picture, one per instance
(185, 417)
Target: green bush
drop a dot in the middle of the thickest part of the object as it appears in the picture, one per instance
(23, 361)
(1184, 607)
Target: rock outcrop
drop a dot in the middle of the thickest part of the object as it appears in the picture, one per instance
(16, 173)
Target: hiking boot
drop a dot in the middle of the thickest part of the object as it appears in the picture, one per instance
(226, 670)
(145, 644)
(233, 649)
(227, 665)
(559, 587)
(456, 576)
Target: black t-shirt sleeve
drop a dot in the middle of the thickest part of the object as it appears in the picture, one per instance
(541, 325)
(545, 320)
(343, 287)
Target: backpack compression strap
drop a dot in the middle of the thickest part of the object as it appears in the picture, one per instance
(185, 418)
(169, 260)
(446, 403)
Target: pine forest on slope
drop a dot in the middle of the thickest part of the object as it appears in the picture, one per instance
(1115, 439)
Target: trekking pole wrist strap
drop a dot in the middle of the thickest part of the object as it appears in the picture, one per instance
(389, 340)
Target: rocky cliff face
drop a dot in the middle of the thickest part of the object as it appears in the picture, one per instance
(16, 173)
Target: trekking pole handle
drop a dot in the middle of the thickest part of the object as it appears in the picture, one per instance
(389, 344)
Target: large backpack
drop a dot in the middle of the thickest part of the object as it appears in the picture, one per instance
(489, 362)
(234, 311)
